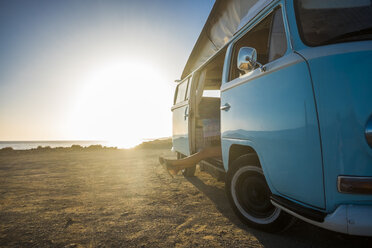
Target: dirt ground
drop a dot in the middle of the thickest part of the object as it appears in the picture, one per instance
(124, 198)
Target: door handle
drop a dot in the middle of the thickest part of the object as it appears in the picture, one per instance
(186, 113)
(225, 107)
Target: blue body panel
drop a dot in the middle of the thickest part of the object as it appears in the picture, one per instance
(275, 112)
(342, 77)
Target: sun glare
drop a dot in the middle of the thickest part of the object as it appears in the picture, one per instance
(120, 103)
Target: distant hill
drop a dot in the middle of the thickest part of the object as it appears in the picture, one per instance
(165, 143)
(10, 150)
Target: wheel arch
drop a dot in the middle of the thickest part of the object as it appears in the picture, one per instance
(238, 150)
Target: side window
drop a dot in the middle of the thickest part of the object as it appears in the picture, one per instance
(181, 91)
(267, 37)
(278, 41)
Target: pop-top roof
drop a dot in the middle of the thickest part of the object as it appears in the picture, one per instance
(226, 18)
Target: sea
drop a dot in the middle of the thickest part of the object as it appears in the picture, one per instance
(25, 145)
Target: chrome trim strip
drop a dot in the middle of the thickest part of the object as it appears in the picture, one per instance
(336, 221)
(301, 209)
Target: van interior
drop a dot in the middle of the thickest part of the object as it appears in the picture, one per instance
(207, 102)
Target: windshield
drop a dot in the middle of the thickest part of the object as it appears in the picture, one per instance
(323, 22)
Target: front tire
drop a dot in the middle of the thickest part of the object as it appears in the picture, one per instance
(249, 196)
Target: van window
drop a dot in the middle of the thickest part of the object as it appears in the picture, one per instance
(278, 41)
(327, 22)
(267, 37)
(181, 91)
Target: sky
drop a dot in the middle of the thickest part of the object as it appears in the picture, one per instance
(93, 70)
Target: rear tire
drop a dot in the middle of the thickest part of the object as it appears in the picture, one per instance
(249, 196)
(187, 172)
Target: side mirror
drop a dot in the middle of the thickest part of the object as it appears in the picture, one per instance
(247, 60)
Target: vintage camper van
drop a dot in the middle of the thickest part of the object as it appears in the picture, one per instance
(285, 88)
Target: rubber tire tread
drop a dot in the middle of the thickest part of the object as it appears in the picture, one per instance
(283, 222)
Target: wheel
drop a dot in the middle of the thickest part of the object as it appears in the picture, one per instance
(249, 196)
(187, 172)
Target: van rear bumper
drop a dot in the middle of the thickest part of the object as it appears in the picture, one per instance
(349, 219)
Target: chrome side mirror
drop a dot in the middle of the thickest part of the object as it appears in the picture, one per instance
(247, 60)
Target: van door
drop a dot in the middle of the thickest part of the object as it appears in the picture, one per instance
(180, 111)
(274, 112)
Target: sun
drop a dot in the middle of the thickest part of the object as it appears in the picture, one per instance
(121, 102)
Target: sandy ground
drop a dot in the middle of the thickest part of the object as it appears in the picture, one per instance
(125, 199)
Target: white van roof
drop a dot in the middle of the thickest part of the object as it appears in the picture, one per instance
(226, 18)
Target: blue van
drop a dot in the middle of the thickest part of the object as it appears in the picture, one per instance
(285, 88)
